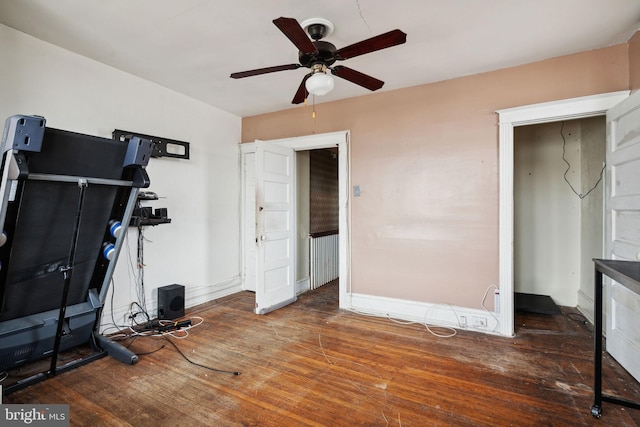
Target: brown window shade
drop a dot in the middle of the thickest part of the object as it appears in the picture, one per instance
(323, 183)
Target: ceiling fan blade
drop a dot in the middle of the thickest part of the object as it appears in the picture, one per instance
(294, 32)
(301, 94)
(357, 77)
(382, 41)
(266, 70)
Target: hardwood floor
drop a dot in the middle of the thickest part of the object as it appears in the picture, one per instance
(311, 364)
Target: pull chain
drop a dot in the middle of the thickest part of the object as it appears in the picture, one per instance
(313, 107)
(313, 112)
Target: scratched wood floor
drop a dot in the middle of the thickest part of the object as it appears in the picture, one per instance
(311, 364)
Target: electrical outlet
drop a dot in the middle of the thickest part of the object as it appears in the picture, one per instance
(462, 321)
(479, 322)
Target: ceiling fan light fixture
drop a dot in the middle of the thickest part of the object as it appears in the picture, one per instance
(319, 55)
(320, 83)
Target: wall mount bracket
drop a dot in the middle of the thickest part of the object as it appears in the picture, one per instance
(162, 147)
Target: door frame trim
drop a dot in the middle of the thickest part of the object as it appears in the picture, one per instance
(338, 139)
(567, 109)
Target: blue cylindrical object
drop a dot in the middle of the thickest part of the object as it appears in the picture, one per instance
(115, 228)
(108, 249)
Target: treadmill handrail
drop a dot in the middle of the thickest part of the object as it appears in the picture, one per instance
(75, 179)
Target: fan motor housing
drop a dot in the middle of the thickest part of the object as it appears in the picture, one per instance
(317, 31)
(326, 55)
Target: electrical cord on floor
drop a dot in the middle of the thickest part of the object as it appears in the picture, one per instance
(133, 339)
(452, 332)
(198, 364)
(165, 329)
(141, 310)
(151, 352)
(159, 328)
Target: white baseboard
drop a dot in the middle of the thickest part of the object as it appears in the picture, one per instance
(425, 313)
(585, 305)
(303, 286)
(194, 295)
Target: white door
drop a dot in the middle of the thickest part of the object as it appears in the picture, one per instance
(275, 228)
(622, 240)
(249, 234)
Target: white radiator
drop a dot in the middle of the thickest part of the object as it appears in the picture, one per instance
(324, 260)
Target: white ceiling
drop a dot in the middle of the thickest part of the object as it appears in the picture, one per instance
(191, 46)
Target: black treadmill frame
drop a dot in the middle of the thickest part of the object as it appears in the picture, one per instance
(33, 155)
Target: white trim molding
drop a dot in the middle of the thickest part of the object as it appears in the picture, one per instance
(303, 286)
(433, 315)
(568, 109)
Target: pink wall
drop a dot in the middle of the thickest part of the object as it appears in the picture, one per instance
(426, 159)
(634, 62)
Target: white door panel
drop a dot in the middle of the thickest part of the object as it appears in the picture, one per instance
(275, 198)
(623, 335)
(622, 240)
(249, 222)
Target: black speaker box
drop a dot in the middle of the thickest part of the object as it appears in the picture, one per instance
(170, 302)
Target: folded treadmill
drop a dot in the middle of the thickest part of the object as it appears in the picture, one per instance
(65, 201)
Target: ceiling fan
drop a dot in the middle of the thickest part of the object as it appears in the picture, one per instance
(319, 56)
